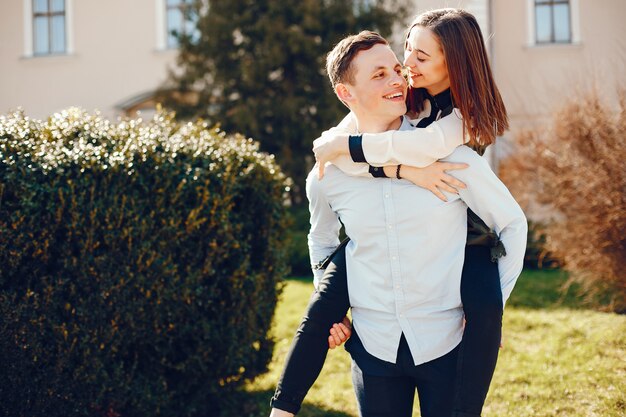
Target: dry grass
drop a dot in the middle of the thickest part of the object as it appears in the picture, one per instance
(573, 174)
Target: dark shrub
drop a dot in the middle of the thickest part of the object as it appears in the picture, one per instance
(139, 265)
(299, 261)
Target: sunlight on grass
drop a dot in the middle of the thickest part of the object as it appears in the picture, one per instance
(559, 359)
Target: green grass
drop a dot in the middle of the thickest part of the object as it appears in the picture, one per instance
(559, 358)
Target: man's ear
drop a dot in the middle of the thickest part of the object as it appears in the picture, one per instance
(343, 93)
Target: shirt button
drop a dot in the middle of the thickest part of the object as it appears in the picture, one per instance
(386, 195)
(390, 226)
(394, 257)
(376, 169)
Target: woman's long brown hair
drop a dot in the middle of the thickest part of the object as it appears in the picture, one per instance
(474, 91)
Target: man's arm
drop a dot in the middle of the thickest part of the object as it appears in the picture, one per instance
(323, 236)
(489, 198)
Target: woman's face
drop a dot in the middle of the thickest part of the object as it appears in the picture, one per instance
(425, 60)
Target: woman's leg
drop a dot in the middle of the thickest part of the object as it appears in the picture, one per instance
(482, 302)
(328, 305)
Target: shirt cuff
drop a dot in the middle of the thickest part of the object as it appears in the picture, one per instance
(355, 143)
(377, 172)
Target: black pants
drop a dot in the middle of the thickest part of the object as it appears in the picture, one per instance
(478, 351)
(386, 389)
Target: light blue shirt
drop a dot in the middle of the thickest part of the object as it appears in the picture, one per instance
(406, 253)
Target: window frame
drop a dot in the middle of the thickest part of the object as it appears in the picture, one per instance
(574, 23)
(551, 5)
(29, 30)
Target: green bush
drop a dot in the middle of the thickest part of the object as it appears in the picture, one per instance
(298, 249)
(139, 265)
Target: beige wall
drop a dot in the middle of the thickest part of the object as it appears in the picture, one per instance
(115, 57)
(535, 79)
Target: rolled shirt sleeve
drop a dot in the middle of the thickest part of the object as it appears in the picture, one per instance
(323, 235)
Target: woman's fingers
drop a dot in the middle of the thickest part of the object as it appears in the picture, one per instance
(445, 187)
(447, 166)
(320, 169)
(453, 181)
(438, 193)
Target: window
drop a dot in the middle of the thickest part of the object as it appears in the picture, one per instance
(49, 32)
(180, 20)
(552, 21)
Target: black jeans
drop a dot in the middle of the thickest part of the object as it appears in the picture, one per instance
(482, 302)
(386, 389)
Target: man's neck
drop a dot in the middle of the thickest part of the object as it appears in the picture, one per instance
(373, 125)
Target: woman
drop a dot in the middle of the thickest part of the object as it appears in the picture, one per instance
(449, 74)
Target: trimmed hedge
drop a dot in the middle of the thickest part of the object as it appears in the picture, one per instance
(139, 264)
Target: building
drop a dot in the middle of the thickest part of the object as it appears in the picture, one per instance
(107, 55)
(545, 51)
(111, 55)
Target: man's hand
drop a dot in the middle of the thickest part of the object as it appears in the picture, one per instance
(434, 177)
(329, 146)
(339, 333)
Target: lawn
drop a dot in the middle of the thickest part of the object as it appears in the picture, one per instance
(560, 358)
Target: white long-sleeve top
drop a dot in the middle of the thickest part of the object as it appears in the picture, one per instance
(417, 147)
(406, 253)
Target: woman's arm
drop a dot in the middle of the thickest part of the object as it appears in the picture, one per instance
(346, 127)
(419, 148)
(433, 178)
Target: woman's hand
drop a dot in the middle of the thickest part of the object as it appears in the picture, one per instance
(330, 145)
(434, 177)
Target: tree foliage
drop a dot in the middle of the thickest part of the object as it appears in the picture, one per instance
(257, 67)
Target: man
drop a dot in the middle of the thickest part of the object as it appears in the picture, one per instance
(405, 257)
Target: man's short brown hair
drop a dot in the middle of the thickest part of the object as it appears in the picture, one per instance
(339, 60)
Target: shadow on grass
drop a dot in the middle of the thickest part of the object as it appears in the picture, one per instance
(256, 404)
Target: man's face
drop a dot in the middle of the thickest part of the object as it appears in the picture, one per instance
(378, 89)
